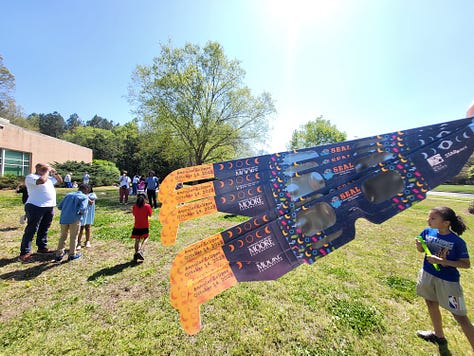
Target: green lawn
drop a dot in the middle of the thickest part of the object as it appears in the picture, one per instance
(467, 189)
(359, 300)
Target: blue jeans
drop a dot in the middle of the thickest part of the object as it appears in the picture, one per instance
(39, 220)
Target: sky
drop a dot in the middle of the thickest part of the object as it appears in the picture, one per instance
(367, 66)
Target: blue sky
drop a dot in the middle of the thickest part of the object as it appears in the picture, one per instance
(368, 66)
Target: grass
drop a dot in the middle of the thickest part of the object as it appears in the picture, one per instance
(467, 189)
(359, 300)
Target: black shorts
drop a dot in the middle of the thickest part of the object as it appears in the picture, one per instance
(140, 233)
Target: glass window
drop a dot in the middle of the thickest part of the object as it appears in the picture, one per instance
(15, 162)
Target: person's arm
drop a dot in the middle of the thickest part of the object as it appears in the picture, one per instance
(83, 203)
(56, 175)
(460, 263)
(43, 175)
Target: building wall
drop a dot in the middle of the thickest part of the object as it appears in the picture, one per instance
(43, 148)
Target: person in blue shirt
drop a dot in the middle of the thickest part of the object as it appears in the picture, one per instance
(439, 279)
(87, 220)
(72, 207)
(152, 183)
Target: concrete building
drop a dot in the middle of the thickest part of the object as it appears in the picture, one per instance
(21, 149)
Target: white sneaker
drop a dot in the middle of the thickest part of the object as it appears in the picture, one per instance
(88, 244)
(78, 247)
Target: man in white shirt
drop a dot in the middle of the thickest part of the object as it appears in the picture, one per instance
(39, 209)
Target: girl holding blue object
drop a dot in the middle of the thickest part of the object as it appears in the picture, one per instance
(441, 286)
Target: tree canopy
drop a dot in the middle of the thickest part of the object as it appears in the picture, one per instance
(52, 124)
(314, 133)
(8, 107)
(197, 97)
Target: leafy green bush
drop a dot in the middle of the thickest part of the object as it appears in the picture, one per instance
(10, 181)
(101, 172)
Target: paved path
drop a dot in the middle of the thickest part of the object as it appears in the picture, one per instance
(460, 195)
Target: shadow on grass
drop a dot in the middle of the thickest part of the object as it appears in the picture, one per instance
(5, 229)
(444, 351)
(35, 258)
(29, 273)
(110, 271)
(7, 261)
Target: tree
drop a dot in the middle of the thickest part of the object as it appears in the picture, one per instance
(31, 122)
(100, 122)
(129, 146)
(7, 83)
(315, 133)
(197, 97)
(73, 122)
(8, 108)
(52, 124)
(105, 145)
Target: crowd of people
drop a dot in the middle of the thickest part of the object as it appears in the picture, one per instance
(78, 211)
(139, 184)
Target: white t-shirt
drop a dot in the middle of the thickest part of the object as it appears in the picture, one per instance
(42, 195)
(124, 181)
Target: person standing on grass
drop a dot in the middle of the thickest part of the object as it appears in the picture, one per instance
(152, 182)
(68, 180)
(135, 181)
(39, 209)
(87, 220)
(21, 189)
(124, 188)
(72, 207)
(141, 212)
(86, 178)
(439, 279)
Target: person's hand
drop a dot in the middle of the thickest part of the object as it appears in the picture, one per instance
(419, 247)
(434, 260)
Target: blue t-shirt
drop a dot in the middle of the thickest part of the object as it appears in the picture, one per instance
(450, 247)
(152, 183)
(72, 207)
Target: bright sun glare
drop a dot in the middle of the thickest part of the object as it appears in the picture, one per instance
(295, 16)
